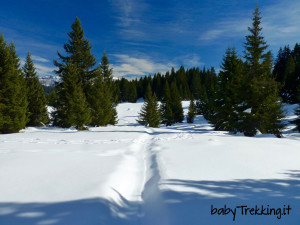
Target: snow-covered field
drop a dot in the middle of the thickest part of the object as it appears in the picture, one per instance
(129, 174)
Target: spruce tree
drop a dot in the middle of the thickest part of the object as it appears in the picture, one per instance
(108, 77)
(263, 101)
(279, 67)
(297, 120)
(106, 70)
(78, 51)
(191, 112)
(166, 109)
(132, 95)
(37, 109)
(290, 81)
(109, 90)
(100, 99)
(195, 84)
(229, 93)
(176, 104)
(13, 93)
(150, 114)
(71, 106)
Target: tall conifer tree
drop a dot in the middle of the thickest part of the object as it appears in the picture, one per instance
(13, 93)
(229, 93)
(191, 112)
(263, 100)
(78, 51)
(37, 109)
(166, 109)
(71, 107)
(176, 104)
(100, 100)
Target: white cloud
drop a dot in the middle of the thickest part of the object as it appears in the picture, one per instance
(39, 59)
(128, 65)
(192, 60)
(43, 70)
(279, 26)
(281, 23)
(226, 28)
(131, 20)
(129, 11)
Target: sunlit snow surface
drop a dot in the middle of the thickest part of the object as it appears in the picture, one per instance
(129, 174)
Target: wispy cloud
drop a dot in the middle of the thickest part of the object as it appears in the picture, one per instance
(142, 21)
(129, 18)
(225, 29)
(39, 59)
(280, 24)
(43, 70)
(192, 60)
(128, 65)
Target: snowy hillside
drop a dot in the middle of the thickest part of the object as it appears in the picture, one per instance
(129, 174)
(49, 80)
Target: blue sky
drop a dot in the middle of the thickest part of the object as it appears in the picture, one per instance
(146, 36)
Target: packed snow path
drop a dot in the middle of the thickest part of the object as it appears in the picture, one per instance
(129, 174)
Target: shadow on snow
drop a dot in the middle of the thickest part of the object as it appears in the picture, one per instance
(169, 207)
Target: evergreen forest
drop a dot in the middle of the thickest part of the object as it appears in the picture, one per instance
(246, 96)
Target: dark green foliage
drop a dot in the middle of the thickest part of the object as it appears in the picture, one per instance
(182, 83)
(195, 82)
(13, 98)
(205, 102)
(150, 114)
(102, 98)
(105, 69)
(48, 89)
(52, 97)
(189, 82)
(78, 51)
(71, 106)
(297, 120)
(263, 98)
(95, 89)
(279, 67)
(175, 103)
(228, 104)
(37, 109)
(166, 109)
(103, 110)
(287, 72)
(289, 81)
(108, 77)
(76, 72)
(191, 112)
(133, 93)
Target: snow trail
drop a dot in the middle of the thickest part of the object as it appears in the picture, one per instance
(128, 180)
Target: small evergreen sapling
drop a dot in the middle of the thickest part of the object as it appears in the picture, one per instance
(166, 109)
(191, 112)
(150, 114)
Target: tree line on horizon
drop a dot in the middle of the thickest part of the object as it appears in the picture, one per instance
(246, 96)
